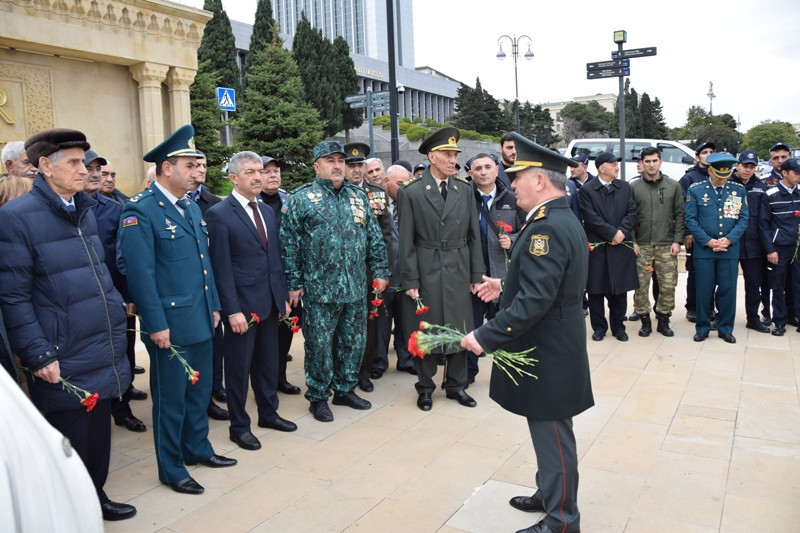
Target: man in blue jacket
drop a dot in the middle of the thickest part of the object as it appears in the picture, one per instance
(164, 244)
(64, 318)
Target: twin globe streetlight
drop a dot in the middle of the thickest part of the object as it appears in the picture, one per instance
(515, 54)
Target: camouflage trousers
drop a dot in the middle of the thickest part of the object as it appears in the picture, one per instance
(666, 269)
(335, 334)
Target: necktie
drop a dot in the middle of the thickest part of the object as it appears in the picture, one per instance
(259, 225)
(395, 219)
(719, 193)
(443, 187)
(183, 203)
(484, 223)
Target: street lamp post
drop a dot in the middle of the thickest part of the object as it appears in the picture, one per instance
(515, 54)
(711, 97)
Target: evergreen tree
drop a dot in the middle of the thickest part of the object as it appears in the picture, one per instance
(265, 28)
(660, 129)
(537, 124)
(498, 121)
(348, 78)
(218, 47)
(585, 120)
(313, 54)
(760, 138)
(207, 125)
(275, 120)
(633, 118)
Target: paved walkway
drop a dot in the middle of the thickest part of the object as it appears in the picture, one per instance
(685, 437)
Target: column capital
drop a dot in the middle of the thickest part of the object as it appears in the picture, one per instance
(149, 74)
(180, 78)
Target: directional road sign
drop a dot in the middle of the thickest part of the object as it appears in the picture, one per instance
(355, 98)
(607, 73)
(226, 98)
(380, 94)
(635, 52)
(379, 108)
(358, 105)
(603, 65)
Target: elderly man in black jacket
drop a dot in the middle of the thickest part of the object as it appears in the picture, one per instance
(609, 215)
(52, 278)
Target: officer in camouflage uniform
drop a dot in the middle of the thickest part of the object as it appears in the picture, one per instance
(659, 231)
(329, 236)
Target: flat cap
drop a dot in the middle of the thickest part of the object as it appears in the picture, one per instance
(48, 142)
(90, 155)
(442, 139)
(532, 155)
(179, 144)
(327, 148)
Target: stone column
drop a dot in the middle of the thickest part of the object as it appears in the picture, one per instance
(178, 82)
(150, 76)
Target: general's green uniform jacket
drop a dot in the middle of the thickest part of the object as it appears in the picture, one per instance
(439, 248)
(379, 202)
(542, 306)
(328, 238)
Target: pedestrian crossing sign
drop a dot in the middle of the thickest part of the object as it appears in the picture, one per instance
(226, 98)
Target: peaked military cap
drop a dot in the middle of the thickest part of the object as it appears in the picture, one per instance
(48, 142)
(179, 144)
(721, 164)
(748, 156)
(90, 155)
(442, 139)
(532, 155)
(355, 153)
(328, 147)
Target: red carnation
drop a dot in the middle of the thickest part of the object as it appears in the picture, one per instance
(507, 228)
(295, 320)
(376, 284)
(376, 302)
(255, 318)
(295, 329)
(90, 401)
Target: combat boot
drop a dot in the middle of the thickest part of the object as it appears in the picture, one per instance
(663, 325)
(647, 326)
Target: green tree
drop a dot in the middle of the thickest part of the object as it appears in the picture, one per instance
(537, 124)
(313, 54)
(633, 117)
(275, 119)
(585, 120)
(470, 113)
(208, 125)
(348, 81)
(760, 138)
(218, 47)
(652, 118)
(701, 127)
(265, 29)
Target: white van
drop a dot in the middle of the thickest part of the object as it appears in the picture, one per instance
(676, 157)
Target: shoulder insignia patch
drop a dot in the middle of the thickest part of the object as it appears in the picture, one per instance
(130, 221)
(541, 214)
(410, 181)
(696, 184)
(771, 191)
(459, 178)
(540, 245)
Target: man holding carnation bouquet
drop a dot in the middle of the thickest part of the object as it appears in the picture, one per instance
(541, 309)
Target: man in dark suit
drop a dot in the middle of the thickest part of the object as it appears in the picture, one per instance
(204, 199)
(542, 295)
(164, 245)
(440, 257)
(609, 215)
(245, 255)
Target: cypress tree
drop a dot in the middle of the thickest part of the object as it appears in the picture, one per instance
(218, 47)
(207, 125)
(346, 69)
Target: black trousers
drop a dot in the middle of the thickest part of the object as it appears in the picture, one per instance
(121, 408)
(480, 311)
(617, 307)
(752, 270)
(90, 436)
(455, 372)
(392, 312)
(691, 290)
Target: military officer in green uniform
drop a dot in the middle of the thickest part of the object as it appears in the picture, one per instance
(541, 307)
(716, 216)
(164, 245)
(329, 236)
(355, 159)
(440, 256)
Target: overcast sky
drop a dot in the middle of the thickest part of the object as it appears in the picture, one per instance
(750, 50)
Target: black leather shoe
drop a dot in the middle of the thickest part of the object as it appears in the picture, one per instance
(117, 511)
(131, 423)
(529, 504)
(700, 337)
(542, 527)
(691, 316)
(376, 374)
(425, 402)
(621, 336)
(247, 440)
(136, 394)
(288, 388)
(279, 424)
(727, 337)
(365, 385)
(598, 335)
(779, 331)
(463, 398)
(220, 395)
(714, 325)
(321, 411)
(351, 399)
(289, 357)
(215, 461)
(410, 369)
(794, 321)
(758, 326)
(138, 369)
(440, 359)
(634, 317)
(767, 321)
(187, 486)
(217, 413)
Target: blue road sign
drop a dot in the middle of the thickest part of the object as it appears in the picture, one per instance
(226, 98)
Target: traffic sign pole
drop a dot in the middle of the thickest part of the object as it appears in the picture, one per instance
(621, 118)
